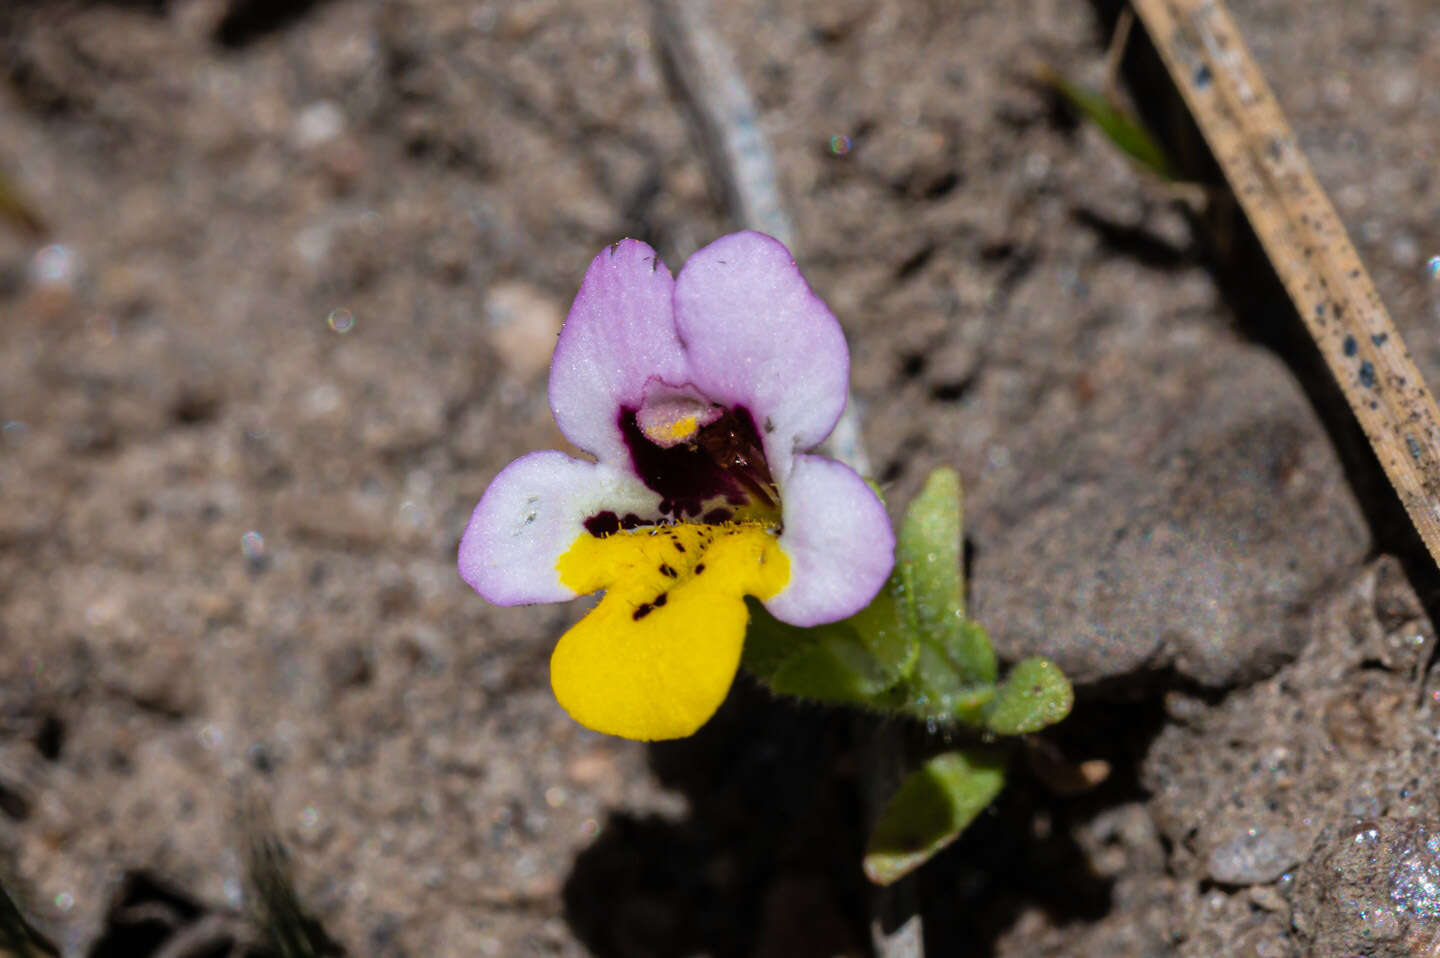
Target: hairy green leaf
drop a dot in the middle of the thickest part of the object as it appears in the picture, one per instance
(955, 669)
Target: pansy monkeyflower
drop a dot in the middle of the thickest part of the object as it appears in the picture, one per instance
(699, 398)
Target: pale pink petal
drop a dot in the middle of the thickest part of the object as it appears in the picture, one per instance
(839, 542)
(620, 334)
(531, 514)
(756, 336)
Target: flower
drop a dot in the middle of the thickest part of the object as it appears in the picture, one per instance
(699, 397)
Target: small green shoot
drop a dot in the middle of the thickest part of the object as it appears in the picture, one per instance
(1119, 126)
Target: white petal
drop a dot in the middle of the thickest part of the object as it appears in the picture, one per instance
(531, 514)
(839, 541)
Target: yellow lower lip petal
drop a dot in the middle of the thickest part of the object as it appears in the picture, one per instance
(656, 657)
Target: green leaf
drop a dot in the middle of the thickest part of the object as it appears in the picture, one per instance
(929, 811)
(936, 689)
(931, 587)
(854, 661)
(1125, 131)
(769, 642)
(1035, 694)
(928, 547)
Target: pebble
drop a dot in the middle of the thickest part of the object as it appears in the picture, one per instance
(523, 322)
(1254, 856)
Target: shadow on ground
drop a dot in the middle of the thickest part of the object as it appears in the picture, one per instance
(767, 861)
(771, 838)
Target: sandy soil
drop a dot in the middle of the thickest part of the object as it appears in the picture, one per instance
(305, 265)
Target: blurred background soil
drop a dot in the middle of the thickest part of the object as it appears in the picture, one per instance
(305, 266)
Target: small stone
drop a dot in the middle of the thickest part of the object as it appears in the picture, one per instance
(318, 123)
(523, 324)
(593, 768)
(1254, 855)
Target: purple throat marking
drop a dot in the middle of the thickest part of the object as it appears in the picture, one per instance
(725, 461)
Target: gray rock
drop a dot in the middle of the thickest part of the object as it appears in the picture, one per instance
(1161, 532)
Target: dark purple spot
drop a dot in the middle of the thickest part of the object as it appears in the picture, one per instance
(660, 600)
(602, 524)
(644, 609)
(607, 523)
(726, 459)
(717, 515)
(699, 568)
(1350, 346)
(667, 571)
(679, 546)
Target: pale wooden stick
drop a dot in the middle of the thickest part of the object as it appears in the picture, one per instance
(1307, 244)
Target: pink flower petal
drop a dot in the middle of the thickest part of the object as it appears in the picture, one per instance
(532, 512)
(620, 335)
(756, 336)
(839, 542)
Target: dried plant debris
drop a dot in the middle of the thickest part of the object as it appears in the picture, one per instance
(151, 918)
(289, 930)
(18, 937)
